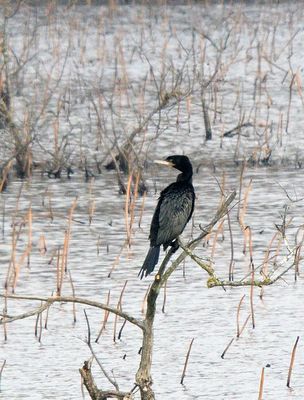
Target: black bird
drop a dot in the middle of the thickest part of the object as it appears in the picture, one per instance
(174, 209)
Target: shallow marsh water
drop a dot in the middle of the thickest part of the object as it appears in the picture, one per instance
(49, 370)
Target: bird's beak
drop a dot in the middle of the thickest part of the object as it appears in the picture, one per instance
(163, 162)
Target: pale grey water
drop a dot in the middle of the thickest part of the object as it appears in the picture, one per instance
(49, 370)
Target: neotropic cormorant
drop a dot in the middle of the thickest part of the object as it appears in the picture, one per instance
(174, 209)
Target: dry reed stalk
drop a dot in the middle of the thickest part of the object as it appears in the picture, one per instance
(298, 81)
(3, 220)
(56, 130)
(30, 232)
(40, 327)
(142, 208)
(73, 293)
(4, 316)
(207, 124)
(12, 264)
(264, 269)
(51, 215)
(252, 278)
(298, 257)
(98, 244)
(293, 354)
(91, 210)
(1, 371)
(5, 172)
(244, 325)
(64, 253)
(18, 265)
(215, 91)
(238, 317)
(246, 240)
(222, 188)
(127, 205)
(240, 188)
(278, 248)
(141, 102)
(133, 202)
(58, 275)
(42, 245)
(63, 268)
(177, 122)
(47, 317)
(116, 261)
(231, 264)
(118, 308)
(186, 362)
(125, 77)
(105, 318)
(261, 386)
(280, 130)
(226, 348)
(36, 325)
(289, 102)
(219, 230)
(189, 106)
(244, 207)
(68, 235)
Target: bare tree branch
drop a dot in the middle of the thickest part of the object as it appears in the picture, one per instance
(68, 299)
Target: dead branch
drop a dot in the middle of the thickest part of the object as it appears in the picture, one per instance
(67, 299)
(95, 393)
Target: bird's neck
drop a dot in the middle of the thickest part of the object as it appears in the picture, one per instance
(185, 177)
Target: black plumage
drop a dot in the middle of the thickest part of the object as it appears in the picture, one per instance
(174, 209)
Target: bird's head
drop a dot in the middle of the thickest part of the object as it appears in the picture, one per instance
(182, 163)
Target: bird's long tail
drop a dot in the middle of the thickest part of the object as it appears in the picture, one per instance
(150, 261)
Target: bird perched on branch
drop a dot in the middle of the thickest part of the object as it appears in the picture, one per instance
(174, 209)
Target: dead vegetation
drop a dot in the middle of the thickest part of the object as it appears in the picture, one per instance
(58, 118)
(97, 98)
